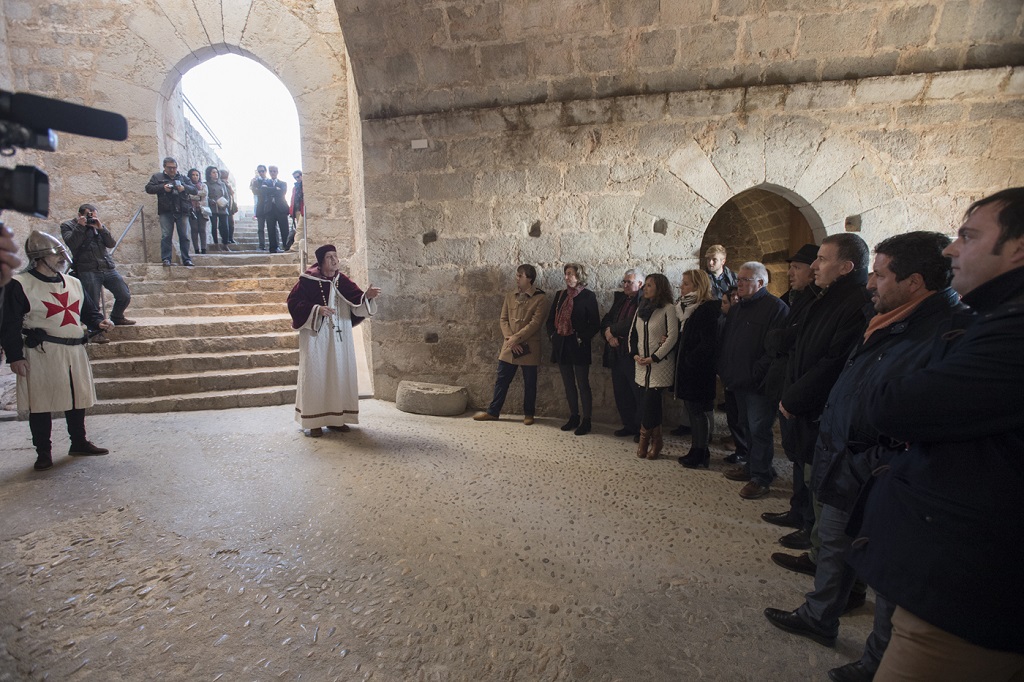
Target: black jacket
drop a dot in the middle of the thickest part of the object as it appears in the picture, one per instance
(620, 328)
(175, 201)
(575, 349)
(842, 461)
(781, 337)
(698, 352)
(88, 247)
(942, 530)
(742, 362)
(831, 329)
(272, 202)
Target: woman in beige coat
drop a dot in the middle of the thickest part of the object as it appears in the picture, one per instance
(522, 316)
(653, 342)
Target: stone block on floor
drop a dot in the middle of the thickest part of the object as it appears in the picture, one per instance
(436, 399)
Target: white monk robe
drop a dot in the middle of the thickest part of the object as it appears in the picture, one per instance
(328, 385)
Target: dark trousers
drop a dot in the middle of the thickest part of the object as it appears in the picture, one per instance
(651, 410)
(507, 372)
(219, 225)
(40, 424)
(627, 393)
(737, 429)
(277, 225)
(573, 376)
(112, 281)
(758, 412)
(198, 226)
(231, 226)
(261, 230)
(800, 503)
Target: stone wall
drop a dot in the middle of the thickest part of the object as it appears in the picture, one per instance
(635, 181)
(414, 57)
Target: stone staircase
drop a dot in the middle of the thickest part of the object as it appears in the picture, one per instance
(214, 336)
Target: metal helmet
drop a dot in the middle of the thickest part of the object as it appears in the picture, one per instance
(40, 245)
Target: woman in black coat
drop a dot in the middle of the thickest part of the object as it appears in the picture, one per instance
(695, 364)
(572, 322)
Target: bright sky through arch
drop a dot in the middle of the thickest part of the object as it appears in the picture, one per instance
(251, 112)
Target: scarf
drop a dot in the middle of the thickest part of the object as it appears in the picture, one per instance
(687, 304)
(895, 315)
(563, 318)
(646, 309)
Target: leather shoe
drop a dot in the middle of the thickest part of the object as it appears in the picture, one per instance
(798, 539)
(798, 564)
(584, 427)
(785, 519)
(340, 429)
(624, 431)
(122, 321)
(484, 417)
(753, 490)
(528, 421)
(734, 458)
(43, 462)
(573, 422)
(738, 473)
(790, 621)
(315, 433)
(86, 449)
(100, 339)
(851, 672)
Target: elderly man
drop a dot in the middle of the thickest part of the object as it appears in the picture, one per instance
(615, 327)
(742, 365)
(722, 278)
(43, 334)
(911, 294)
(522, 315)
(941, 531)
(325, 305)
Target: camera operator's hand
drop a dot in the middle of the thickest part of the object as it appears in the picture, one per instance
(9, 261)
(168, 187)
(20, 367)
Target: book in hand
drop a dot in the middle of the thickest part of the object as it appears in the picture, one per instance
(524, 349)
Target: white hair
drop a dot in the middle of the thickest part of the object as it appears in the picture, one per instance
(636, 273)
(759, 270)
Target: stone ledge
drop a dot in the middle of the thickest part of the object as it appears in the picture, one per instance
(434, 399)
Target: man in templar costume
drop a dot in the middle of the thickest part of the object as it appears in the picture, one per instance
(43, 334)
(325, 305)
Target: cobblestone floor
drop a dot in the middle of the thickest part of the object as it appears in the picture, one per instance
(227, 546)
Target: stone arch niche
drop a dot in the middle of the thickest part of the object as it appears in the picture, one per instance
(762, 224)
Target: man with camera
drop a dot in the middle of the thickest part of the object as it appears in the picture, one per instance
(88, 240)
(173, 205)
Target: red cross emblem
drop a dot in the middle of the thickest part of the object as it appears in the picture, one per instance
(63, 307)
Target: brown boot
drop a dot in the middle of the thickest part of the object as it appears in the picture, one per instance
(645, 441)
(656, 443)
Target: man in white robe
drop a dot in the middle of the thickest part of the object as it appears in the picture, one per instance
(325, 305)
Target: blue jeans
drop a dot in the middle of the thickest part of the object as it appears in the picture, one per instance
(112, 281)
(507, 372)
(757, 412)
(833, 577)
(168, 223)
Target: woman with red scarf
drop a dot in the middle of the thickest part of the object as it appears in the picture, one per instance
(572, 323)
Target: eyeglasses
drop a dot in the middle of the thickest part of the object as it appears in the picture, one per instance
(749, 280)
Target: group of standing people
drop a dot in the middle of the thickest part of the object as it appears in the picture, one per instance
(273, 210)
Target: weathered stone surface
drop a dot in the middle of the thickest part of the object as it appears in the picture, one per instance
(436, 399)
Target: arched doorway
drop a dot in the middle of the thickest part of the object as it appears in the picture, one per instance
(762, 224)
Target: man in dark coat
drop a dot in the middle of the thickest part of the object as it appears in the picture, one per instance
(742, 365)
(911, 294)
(830, 331)
(942, 528)
(615, 327)
(779, 344)
(273, 208)
(173, 205)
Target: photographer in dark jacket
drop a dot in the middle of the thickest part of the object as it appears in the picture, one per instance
(911, 294)
(173, 204)
(615, 327)
(942, 528)
(88, 240)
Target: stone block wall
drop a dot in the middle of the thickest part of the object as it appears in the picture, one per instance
(635, 181)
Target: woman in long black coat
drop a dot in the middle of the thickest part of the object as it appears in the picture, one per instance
(695, 364)
(572, 323)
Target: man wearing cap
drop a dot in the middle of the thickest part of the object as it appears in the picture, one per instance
(325, 305)
(43, 335)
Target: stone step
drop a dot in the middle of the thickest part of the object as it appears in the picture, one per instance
(185, 363)
(186, 347)
(201, 286)
(210, 310)
(197, 382)
(161, 299)
(209, 400)
(221, 266)
(186, 327)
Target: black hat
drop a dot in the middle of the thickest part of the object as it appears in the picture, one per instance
(807, 254)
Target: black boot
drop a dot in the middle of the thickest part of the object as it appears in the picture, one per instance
(574, 421)
(584, 427)
(43, 460)
(86, 449)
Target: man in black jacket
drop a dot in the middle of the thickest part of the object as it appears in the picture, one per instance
(830, 331)
(173, 205)
(274, 209)
(942, 528)
(742, 365)
(88, 240)
(911, 294)
(615, 327)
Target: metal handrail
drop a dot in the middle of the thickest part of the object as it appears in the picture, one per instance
(138, 213)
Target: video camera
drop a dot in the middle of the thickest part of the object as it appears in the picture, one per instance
(27, 122)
